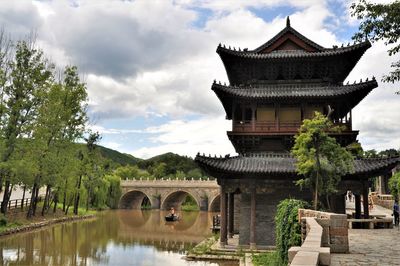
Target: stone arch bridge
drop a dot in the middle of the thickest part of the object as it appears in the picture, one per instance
(164, 194)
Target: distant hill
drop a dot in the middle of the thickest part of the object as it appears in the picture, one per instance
(174, 162)
(118, 157)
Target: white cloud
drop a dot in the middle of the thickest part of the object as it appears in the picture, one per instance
(145, 58)
(207, 134)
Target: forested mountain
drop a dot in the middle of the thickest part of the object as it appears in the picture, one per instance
(167, 165)
(118, 157)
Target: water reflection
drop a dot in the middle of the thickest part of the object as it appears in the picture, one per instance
(116, 238)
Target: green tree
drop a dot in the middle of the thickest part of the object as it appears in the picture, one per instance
(158, 170)
(370, 153)
(320, 160)
(29, 75)
(380, 22)
(394, 185)
(355, 149)
(288, 229)
(60, 121)
(128, 172)
(114, 190)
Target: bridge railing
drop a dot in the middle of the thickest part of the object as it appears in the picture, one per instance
(169, 182)
(168, 179)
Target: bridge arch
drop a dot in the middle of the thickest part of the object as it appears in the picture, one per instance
(134, 199)
(215, 204)
(176, 198)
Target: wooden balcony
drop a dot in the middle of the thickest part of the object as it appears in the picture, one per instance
(266, 127)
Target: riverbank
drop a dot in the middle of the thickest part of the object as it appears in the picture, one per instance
(15, 221)
(36, 225)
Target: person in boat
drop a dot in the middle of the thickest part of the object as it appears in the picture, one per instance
(172, 212)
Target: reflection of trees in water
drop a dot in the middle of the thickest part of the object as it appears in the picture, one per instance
(78, 243)
(85, 242)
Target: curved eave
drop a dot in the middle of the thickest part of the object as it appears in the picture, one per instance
(288, 29)
(284, 165)
(353, 93)
(226, 52)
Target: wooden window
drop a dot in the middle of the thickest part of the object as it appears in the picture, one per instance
(266, 114)
(289, 114)
(310, 111)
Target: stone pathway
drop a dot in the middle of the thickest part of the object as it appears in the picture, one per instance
(371, 247)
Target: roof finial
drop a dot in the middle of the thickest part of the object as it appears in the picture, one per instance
(287, 21)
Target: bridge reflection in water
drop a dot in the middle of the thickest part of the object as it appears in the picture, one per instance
(123, 237)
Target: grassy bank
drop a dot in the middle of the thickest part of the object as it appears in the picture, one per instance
(16, 218)
(190, 207)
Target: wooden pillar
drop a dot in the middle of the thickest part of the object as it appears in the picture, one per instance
(365, 200)
(230, 214)
(253, 216)
(233, 115)
(223, 238)
(386, 178)
(350, 122)
(253, 118)
(357, 202)
(277, 117)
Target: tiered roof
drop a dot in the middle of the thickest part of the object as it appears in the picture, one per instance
(287, 54)
(282, 164)
(245, 66)
(270, 93)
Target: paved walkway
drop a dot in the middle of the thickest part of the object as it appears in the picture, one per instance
(371, 246)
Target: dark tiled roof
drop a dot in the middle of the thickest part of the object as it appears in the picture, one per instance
(288, 29)
(270, 163)
(293, 91)
(363, 46)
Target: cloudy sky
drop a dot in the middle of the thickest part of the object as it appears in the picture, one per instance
(149, 64)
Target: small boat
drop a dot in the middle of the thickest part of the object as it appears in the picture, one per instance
(171, 218)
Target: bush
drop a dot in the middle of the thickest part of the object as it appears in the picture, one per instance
(288, 229)
(394, 185)
(3, 220)
(267, 258)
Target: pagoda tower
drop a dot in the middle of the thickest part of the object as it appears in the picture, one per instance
(271, 90)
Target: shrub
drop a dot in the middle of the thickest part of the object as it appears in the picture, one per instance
(3, 220)
(267, 258)
(288, 229)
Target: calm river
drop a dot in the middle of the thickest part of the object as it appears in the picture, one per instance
(114, 238)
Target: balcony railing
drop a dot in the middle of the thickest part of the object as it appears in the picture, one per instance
(258, 126)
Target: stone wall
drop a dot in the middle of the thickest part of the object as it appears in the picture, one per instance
(267, 201)
(311, 251)
(335, 229)
(322, 233)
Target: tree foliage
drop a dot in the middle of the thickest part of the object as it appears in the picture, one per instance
(288, 230)
(380, 22)
(41, 119)
(394, 185)
(320, 160)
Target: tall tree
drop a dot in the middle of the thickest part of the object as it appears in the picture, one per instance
(380, 22)
(61, 121)
(29, 74)
(320, 159)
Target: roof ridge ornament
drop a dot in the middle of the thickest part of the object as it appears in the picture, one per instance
(287, 21)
